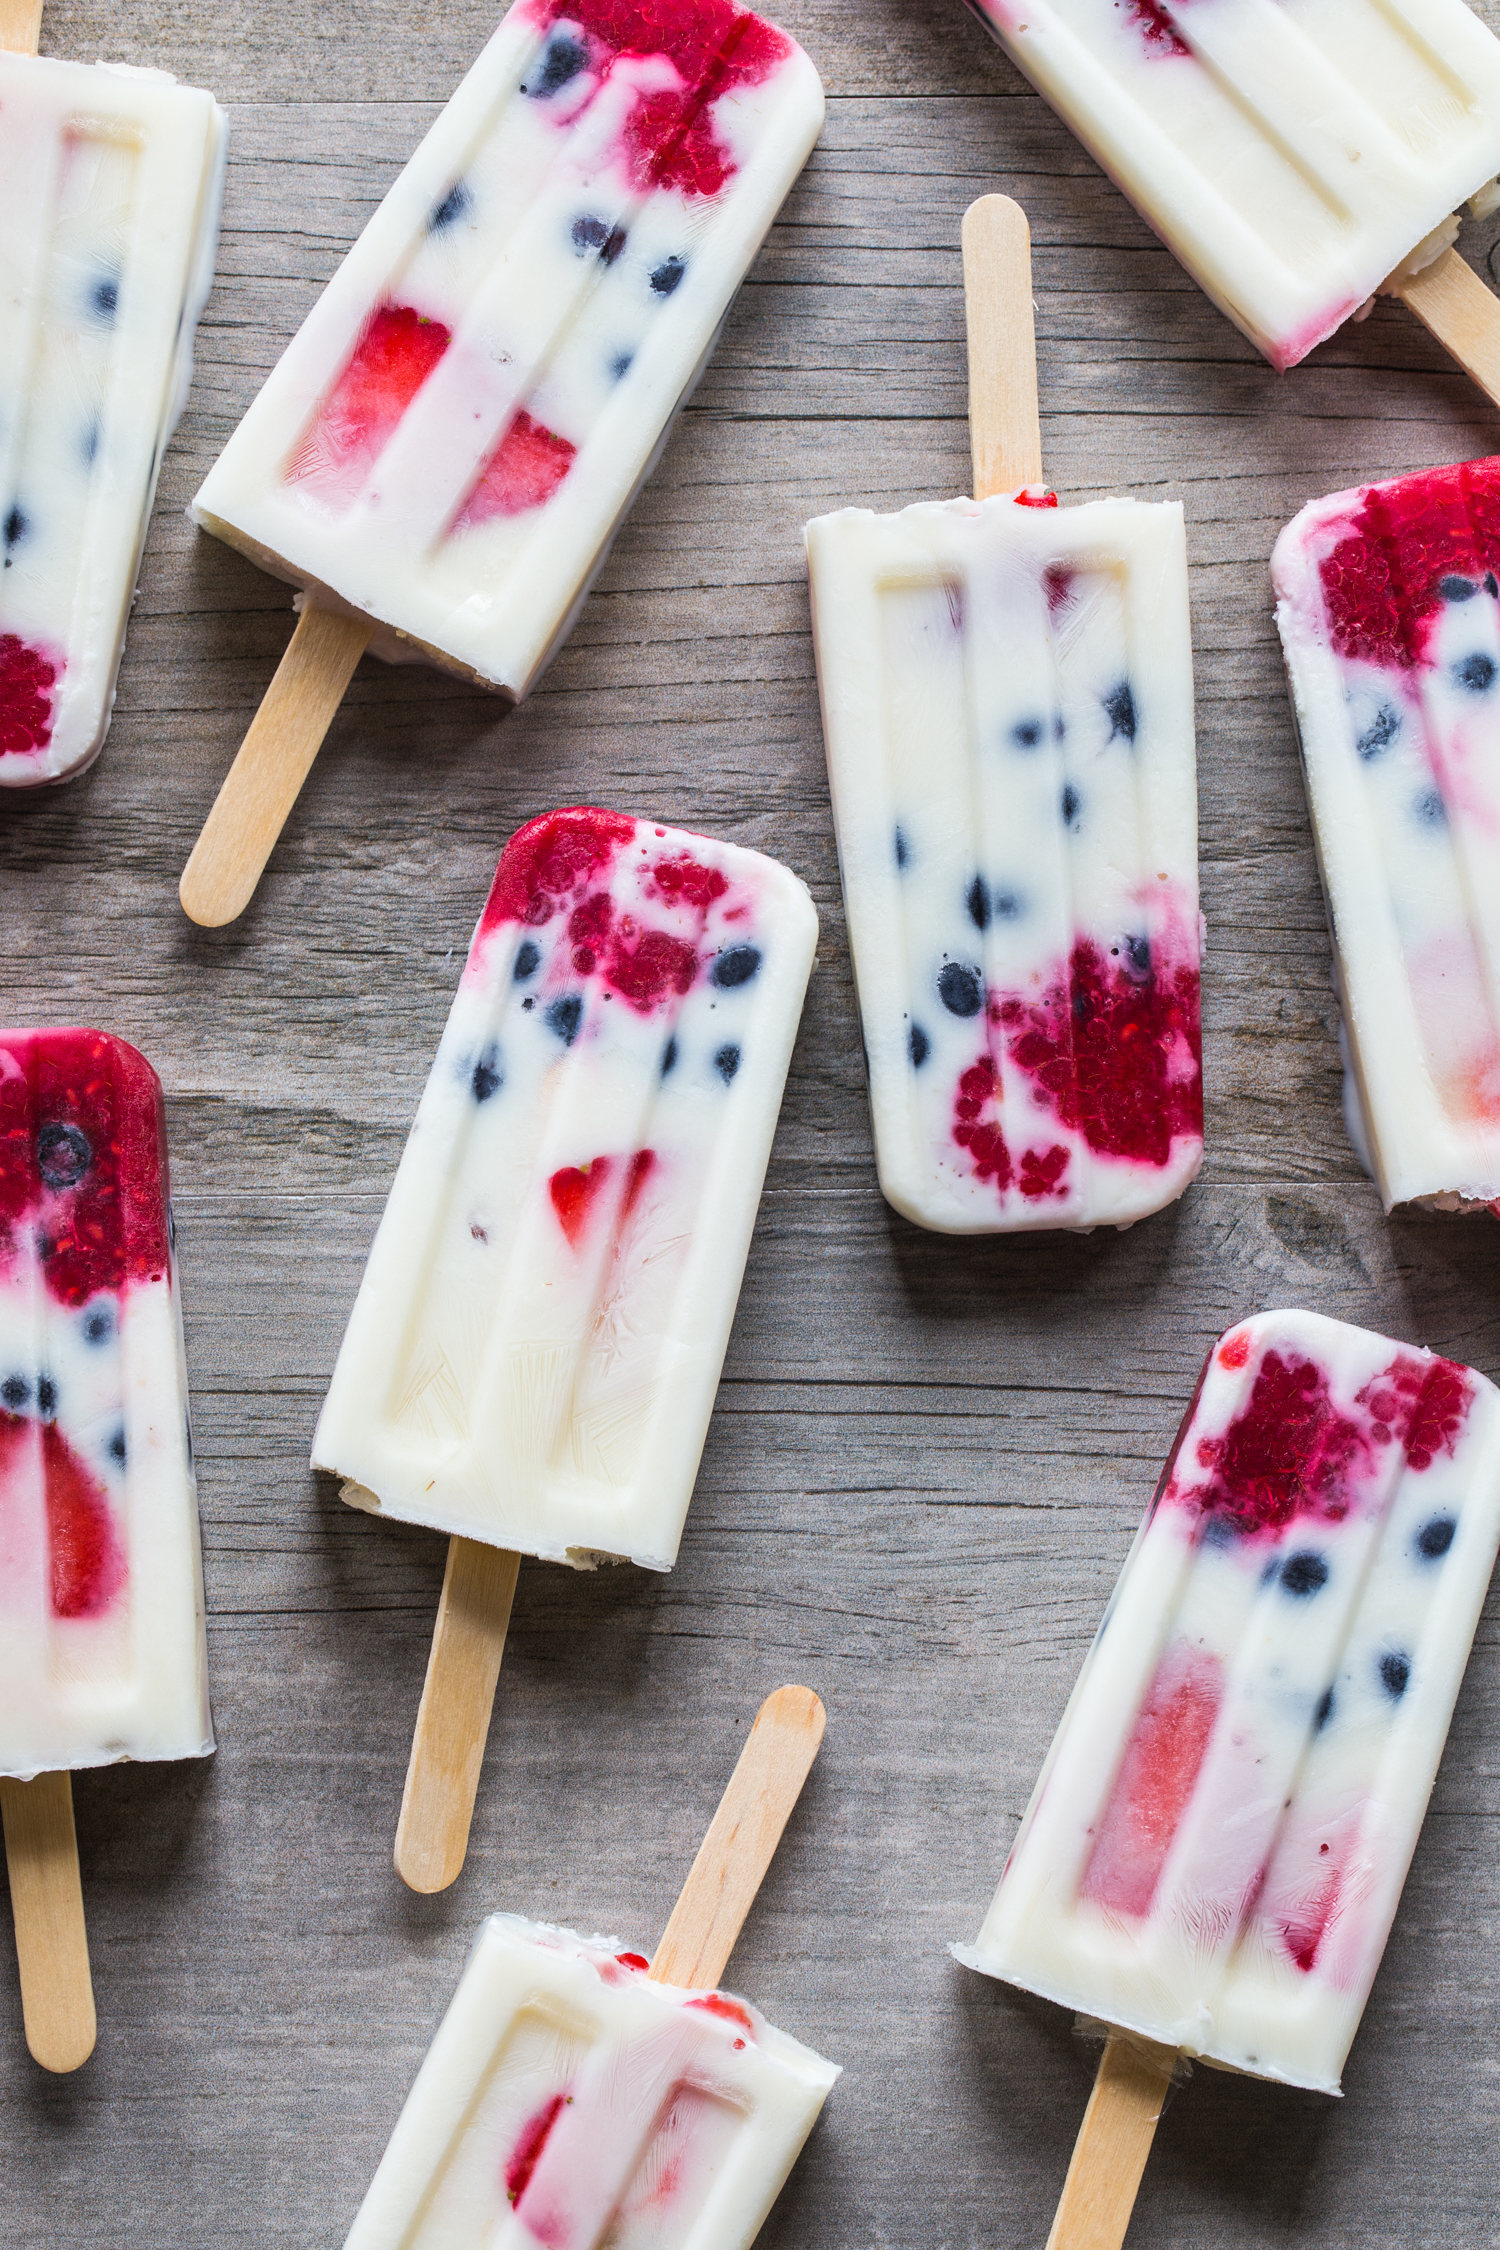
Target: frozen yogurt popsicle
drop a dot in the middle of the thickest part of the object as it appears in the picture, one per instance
(532, 1359)
(446, 449)
(101, 1600)
(1008, 712)
(1215, 1849)
(575, 2096)
(1297, 160)
(1389, 616)
(109, 214)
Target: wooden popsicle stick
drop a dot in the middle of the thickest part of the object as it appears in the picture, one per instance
(20, 26)
(1113, 2144)
(453, 1721)
(274, 760)
(1449, 297)
(1005, 432)
(741, 1840)
(52, 1940)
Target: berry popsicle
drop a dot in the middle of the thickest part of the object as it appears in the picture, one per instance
(1008, 713)
(102, 1651)
(1390, 620)
(532, 1358)
(575, 2096)
(1296, 160)
(110, 182)
(446, 449)
(1215, 1849)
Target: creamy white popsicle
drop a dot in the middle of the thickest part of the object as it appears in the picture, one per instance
(110, 181)
(102, 1650)
(1215, 1849)
(451, 439)
(1390, 621)
(570, 2102)
(1294, 158)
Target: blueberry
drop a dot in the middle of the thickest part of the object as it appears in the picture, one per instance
(528, 960)
(117, 1448)
(1027, 734)
(1072, 806)
(735, 967)
(727, 1062)
(98, 1327)
(620, 365)
(669, 1058)
(1138, 954)
(63, 1155)
(1429, 808)
(1304, 1575)
(15, 1391)
(978, 903)
(1007, 906)
(960, 989)
(665, 277)
(104, 297)
(1490, 585)
(487, 1078)
(1120, 706)
(1395, 1671)
(88, 445)
(1476, 672)
(1457, 589)
(565, 1015)
(1324, 1711)
(591, 233)
(918, 1046)
(1380, 733)
(16, 527)
(562, 59)
(901, 849)
(453, 206)
(46, 1397)
(1435, 1538)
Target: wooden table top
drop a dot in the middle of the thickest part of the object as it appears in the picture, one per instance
(929, 1456)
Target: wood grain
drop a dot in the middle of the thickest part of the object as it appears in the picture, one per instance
(271, 765)
(733, 1858)
(1464, 316)
(1005, 431)
(46, 1902)
(20, 26)
(453, 1718)
(1114, 2141)
(928, 1458)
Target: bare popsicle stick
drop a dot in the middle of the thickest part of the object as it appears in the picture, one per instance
(453, 1720)
(1113, 2144)
(20, 26)
(1005, 432)
(274, 760)
(1450, 299)
(741, 1840)
(52, 1940)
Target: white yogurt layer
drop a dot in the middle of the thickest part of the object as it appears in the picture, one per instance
(1214, 1852)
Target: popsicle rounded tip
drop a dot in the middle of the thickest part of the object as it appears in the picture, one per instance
(428, 1866)
(66, 2039)
(997, 214)
(795, 1706)
(206, 899)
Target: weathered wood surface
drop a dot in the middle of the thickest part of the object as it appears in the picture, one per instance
(928, 1456)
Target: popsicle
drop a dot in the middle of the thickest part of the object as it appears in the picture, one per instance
(1389, 616)
(102, 1651)
(110, 181)
(1008, 712)
(1297, 160)
(1215, 1849)
(445, 451)
(576, 2096)
(532, 1358)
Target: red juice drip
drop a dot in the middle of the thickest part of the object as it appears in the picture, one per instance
(1304, 1931)
(28, 676)
(1156, 27)
(633, 1960)
(1156, 1779)
(523, 472)
(526, 2154)
(85, 1558)
(732, 2011)
(398, 349)
(83, 1161)
(1383, 582)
